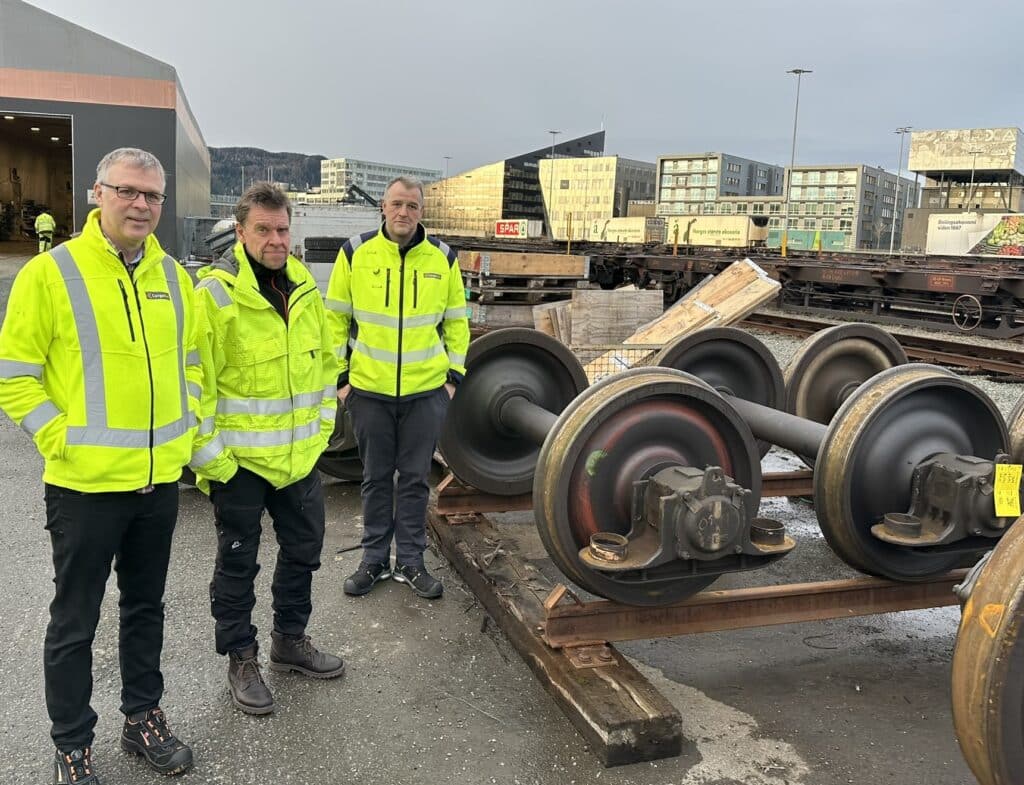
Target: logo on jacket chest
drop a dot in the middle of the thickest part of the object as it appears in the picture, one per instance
(157, 296)
(435, 276)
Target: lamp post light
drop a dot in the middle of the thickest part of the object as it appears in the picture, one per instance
(792, 155)
(444, 223)
(551, 187)
(901, 131)
(974, 164)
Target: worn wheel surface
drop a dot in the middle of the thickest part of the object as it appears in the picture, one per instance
(623, 429)
(501, 365)
(1015, 424)
(988, 667)
(865, 466)
(733, 362)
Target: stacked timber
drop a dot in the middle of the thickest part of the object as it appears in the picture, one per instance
(737, 291)
(502, 287)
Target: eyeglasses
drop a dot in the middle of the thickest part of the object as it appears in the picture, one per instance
(131, 194)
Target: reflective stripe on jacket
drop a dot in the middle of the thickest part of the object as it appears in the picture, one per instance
(100, 368)
(269, 390)
(398, 322)
(45, 223)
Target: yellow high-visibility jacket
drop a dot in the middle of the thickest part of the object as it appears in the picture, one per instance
(398, 321)
(269, 392)
(45, 223)
(100, 367)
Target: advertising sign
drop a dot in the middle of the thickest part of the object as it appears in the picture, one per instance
(976, 234)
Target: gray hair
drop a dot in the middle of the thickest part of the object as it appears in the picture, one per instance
(129, 156)
(408, 182)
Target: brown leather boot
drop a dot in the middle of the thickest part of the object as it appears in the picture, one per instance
(288, 653)
(248, 690)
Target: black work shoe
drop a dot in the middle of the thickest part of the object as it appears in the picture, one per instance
(74, 768)
(365, 578)
(147, 734)
(248, 690)
(289, 653)
(419, 580)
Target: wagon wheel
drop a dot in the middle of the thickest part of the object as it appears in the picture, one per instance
(967, 312)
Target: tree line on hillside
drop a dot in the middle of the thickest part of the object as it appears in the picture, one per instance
(229, 165)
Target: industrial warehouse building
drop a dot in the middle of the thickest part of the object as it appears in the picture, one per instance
(67, 97)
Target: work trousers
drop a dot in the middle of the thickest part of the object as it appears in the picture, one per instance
(396, 436)
(88, 531)
(297, 512)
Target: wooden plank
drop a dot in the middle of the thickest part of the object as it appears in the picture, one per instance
(618, 712)
(530, 265)
(562, 316)
(542, 318)
(495, 315)
(600, 317)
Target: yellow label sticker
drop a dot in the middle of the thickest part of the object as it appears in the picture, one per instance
(1007, 490)
(991, 617)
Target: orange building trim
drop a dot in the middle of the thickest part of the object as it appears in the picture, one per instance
(87, 88)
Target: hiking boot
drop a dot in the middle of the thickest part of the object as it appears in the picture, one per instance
(419, 580)
(248, 690)
(147, 734)
(74, 768)
(365, 578)
(288, 653)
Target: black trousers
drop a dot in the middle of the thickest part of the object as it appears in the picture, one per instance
(396, 436)
(88, 532)
(297, 511)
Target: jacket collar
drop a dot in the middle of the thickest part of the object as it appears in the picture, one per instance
(152, 252)
(418, 237)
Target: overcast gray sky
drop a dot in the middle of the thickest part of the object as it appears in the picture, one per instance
(412, 82)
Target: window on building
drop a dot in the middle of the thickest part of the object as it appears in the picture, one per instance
(845, 225)
(759, 187)
(794, 223)
(696, 179)
(762, 172)
(846, 209)
(712, 164)
(741, 208)
(774, 208)
(828, 209)
(709, 208)
(827, 224)
(725, 208)
(811, 209)
(868, 209)
(796, 178)
(813, 178)
(810, 223)
(709, 193)
(712, 179)
(757, 208)
(886, 212)
(831, 192)
(774, 223)
(733, 168)
(870, 179)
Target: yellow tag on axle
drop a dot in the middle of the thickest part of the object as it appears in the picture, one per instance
(1007, 490)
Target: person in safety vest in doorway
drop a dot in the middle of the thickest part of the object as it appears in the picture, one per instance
(269, 400)
(45, 226)
(397, 308)
(98, 364)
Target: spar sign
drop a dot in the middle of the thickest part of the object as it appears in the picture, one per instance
(515, 228)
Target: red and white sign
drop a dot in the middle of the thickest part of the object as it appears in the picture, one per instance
(516, 228)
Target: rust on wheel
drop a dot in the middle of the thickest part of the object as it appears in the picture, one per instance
(988, 667)
(733, 362)
(865, 466)
(624, 429)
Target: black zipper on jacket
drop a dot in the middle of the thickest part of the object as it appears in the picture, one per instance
(127, 310)
(415, 289)
(387, 289)
(149, 368)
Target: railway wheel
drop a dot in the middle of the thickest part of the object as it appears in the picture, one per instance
(626, 428)
(505, 364)
(1015, 424)
(888, 426)
(341, 458)
(967, 312)
(988, 667)
(731, 361)
(834, 362)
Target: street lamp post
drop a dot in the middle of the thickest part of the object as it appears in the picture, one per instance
(902, 131)
(444, 224)
(551, 187)
(792, 154)
(974, 164)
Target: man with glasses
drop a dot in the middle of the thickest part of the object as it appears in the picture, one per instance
(397, 309)
(98, 364)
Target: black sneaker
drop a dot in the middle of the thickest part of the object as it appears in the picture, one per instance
(419, 580)
(365, 578)
(147, 734)
(74, 768)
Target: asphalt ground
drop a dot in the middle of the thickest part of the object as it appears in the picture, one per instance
(435, 694)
